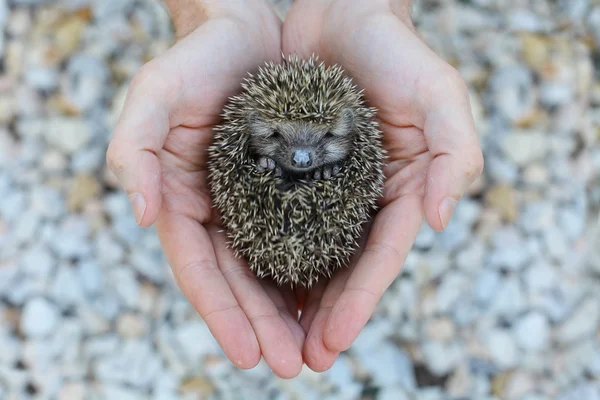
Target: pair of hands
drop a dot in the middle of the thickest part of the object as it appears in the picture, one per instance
(158, 152)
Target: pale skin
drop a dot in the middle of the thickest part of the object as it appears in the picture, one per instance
(158, 152)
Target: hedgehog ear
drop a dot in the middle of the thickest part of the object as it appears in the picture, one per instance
(258, 126)
(344, 124)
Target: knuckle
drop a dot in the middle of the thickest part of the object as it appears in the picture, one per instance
(114, 159)
(449, 80)
(196, 269)
(474, 165)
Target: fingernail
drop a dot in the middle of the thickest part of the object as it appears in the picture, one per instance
(446, 210)
(138, 204)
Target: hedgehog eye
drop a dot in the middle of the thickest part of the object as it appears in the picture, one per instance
(275, 134)
(329, 135)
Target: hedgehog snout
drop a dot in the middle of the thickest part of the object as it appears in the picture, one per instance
(302, 158)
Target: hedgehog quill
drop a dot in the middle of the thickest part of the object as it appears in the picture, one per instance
(296, 170)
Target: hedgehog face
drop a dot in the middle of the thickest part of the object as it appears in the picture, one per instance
(302, 148)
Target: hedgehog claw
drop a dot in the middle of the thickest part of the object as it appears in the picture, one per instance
(317, 174)
(327, 173)
(266, 163)
(336, 170)
(278, 171)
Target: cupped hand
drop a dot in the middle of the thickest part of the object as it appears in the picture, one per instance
(433, 149)
(158, 152)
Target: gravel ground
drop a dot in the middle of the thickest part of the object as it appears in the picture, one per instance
(503, 305)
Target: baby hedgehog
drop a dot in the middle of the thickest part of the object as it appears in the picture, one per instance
(296, 170)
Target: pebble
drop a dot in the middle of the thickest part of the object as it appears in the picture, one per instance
(511, 91)
(450, 290)
(583, 322)
(532, 331)
(67, 135)
(39, 318)
(502, 349)
(524, 147)
(388, 366)
(440, 357)
(585, 391)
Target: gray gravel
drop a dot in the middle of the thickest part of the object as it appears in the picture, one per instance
(503, 305)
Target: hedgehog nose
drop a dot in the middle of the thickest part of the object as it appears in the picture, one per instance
(302, 158)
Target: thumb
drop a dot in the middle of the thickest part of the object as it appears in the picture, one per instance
(139, 135)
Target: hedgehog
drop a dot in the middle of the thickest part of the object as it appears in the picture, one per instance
(296, 170)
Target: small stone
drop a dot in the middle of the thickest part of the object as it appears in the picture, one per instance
(501, 170)
(131, 326)
(556, 244)
(67, 134)
(54, 162)
(388, 365)
(502, 348)
(39, 318)
(198, 386)
(47, 202)
(393, 393)
(582, 323)
(72, 391)
(540, 277)
(83, 189)
(68, 34)
(536, 50)
(27, 226)
(525, 147)
(532, 331)
(504, 200)
(511, 92)
(341, 372)
(72, 239)
(556, 94)
(470, 258)
(149, 265)
(451, 289)
(440, 357)
(88, 161)
(90, 277)
(509, 299)
(486, 286)
(66, 289)
(583, 391)
(124, 282)
(440, 329)
(536, 175)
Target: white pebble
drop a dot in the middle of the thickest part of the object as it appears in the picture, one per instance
(39, 317)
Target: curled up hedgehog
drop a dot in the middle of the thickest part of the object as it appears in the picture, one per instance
(296, 170)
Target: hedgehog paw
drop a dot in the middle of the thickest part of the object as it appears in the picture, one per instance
(265, 164)
(327, 172)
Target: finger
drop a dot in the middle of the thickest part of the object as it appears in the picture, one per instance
(139, 135)
(282, 298)
(311, 305)
(320, 302)
(317, 356)
(453, 142)
(392, 235)
(190, 253)
(277, 342)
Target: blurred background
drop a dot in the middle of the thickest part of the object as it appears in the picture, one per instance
(503, 305)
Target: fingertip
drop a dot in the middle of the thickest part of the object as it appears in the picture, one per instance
(316, 355)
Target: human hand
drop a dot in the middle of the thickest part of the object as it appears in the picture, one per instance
(433, 149)
(158, 153)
